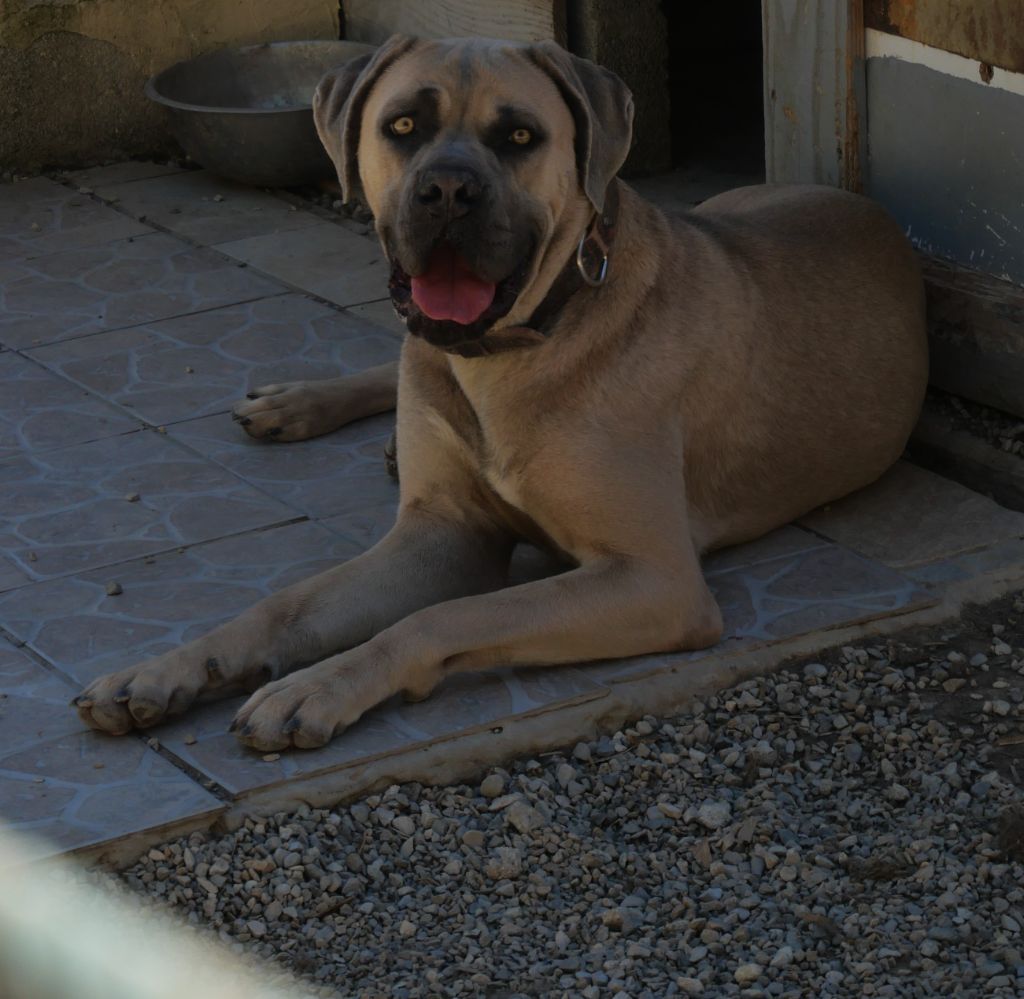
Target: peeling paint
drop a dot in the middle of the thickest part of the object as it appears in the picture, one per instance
(987, 31)
(882, 46)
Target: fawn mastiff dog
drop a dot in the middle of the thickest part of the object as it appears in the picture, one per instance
(625, 389)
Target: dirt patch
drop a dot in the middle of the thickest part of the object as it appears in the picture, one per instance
(999, 430)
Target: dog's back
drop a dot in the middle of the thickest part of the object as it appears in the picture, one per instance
(827, 371)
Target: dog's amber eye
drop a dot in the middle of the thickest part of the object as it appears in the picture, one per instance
(403, 125)
(522, 137)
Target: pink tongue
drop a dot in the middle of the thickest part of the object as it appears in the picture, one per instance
(449, 290)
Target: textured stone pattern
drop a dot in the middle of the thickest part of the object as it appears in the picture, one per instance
(137, 516)
(109, 500)
(39, 411)
(203, 208)
(40, 217)
(72, 293)
(194, 365)
(72, 788)
(911, 517)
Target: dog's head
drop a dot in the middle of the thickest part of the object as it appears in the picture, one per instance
(483, 162)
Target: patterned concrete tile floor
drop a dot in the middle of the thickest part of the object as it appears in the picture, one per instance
(194, 365)
(73, 788)
(112, 332)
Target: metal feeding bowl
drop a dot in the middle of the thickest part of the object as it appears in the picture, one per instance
(246, 113)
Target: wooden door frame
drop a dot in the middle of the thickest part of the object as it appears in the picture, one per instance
(814, 104)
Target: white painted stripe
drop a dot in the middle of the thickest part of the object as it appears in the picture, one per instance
(882, 45)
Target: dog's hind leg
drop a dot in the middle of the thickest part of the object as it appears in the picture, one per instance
(294, 411)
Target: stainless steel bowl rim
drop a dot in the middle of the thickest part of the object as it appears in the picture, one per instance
(154, 94)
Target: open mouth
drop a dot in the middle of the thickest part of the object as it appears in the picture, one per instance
(449, 304)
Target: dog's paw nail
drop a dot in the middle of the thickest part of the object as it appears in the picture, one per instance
(81, 701)
(274, 431)
(235, 725)
(252, 395)
(292, 725)
(245, 421)
(213, 670)
(122, 696)
(147, 713)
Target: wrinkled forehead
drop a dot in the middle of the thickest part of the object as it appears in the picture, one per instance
(473, 80)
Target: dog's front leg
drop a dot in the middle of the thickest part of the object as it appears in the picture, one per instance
(425, 558)
(610, 607)
(296, 411)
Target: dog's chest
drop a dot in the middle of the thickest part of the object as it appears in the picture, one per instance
(507, 438)
(508, 473)
(503, 472)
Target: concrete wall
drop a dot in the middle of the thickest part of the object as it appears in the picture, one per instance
(631, 40)
(72, 71)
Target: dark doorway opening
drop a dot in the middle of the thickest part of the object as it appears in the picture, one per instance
(716, 85)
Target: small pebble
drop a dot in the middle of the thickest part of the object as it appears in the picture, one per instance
(747, 973)
(114, 589)
(714, 814)
(581, 752)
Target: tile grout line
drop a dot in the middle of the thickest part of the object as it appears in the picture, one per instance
(301, 514)
(147, 322)
(194, 774)
(188, 448)
(115, 407)
(177, 548)
(66, 180)
(213, 247)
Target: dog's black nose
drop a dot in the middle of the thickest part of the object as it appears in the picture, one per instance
(451, 191)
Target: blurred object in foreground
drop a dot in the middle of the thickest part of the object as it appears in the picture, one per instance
(64, 936)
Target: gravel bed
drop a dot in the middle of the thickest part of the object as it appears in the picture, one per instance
(1001, 430)
(849, 826)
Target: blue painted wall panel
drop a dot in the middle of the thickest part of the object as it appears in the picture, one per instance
(946, 157)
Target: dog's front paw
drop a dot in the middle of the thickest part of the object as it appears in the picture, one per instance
(138, 697)
(290, 411)
(290, 712)
(309, 708)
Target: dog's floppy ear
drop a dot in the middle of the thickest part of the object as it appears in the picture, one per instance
(602, 107)
(338, 107)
